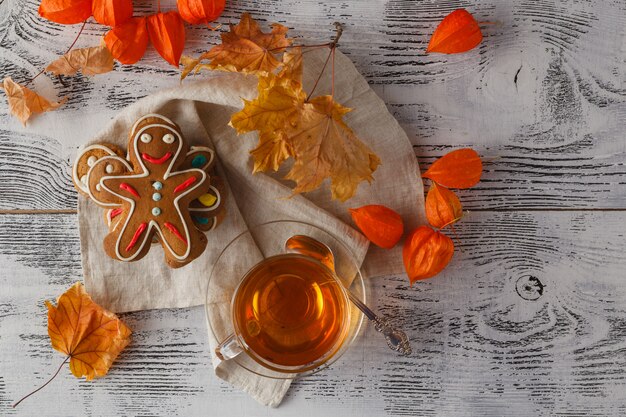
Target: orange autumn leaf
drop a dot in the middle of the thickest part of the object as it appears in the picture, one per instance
(442, 207)
(380, 224)
(167, 33)
(89, 61)
(65, 11)
(426, 253)
(457, 32)
(200, 11)
(128, 41)
(247, 49)
(89, 335)
(112, 12)
(23, 102)
(325, 147)
(458, 169)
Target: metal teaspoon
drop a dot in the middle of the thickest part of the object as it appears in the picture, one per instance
(306, 245)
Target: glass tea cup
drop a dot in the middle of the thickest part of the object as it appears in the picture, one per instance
(287, 314)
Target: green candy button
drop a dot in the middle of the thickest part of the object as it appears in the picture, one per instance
(198, 161)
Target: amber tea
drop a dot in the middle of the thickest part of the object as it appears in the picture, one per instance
(291, 311)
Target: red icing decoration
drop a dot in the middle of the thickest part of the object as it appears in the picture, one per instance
(135, 238)
(184, 185)
(174, 230)
(116, 212)
(157, 161)
(130, 189)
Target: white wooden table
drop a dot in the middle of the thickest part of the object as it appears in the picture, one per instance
(529, 318)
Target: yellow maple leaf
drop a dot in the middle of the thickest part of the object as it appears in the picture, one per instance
(247, 49)
(292, 67)
(323, 146)
(272, 150)
(24, 102)
(89, 335)
(90, 61)
(277, 106)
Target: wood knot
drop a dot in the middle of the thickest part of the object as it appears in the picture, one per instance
(529, 287)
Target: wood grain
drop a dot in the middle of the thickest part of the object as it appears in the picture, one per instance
(542, 99)
(529, 319)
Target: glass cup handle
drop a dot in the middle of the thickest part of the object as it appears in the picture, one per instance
(229, 348)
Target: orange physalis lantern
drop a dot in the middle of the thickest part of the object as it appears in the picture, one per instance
(200, 11)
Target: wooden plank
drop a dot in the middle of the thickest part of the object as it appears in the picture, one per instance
(542, 98)
(590, 174)
(529, 319)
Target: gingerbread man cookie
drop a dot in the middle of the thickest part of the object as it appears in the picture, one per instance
(161, 192)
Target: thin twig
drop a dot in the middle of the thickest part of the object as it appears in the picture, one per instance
(44, 385)
(332, 81)
(339, 29)
(332, 45)
(280, 48)
(77, 36)
(68, 49)
(320, 76)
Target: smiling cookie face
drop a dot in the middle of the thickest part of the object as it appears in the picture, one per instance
(156, 144)
(161, 192)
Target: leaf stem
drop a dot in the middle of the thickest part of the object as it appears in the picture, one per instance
(332, 45)
(332, 72)
(68, 49)
(77, 36)
(319, 77)
(44, 385)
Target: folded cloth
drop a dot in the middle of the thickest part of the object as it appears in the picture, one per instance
(203, 110)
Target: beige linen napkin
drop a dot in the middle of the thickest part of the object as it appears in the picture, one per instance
(203, 110)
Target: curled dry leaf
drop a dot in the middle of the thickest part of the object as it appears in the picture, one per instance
(91, 336)
(200, 11)
(247, 49)
(426, 253)
(167, 33)
(128, 41)
(190, 65)
(23, 102)
(112, 12)
(457, 32)
(442, 207)
(89, 61)
(65, 11)
(458, 169)
(325, 147)
(380, 224)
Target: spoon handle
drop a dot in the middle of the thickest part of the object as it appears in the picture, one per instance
(396, 339)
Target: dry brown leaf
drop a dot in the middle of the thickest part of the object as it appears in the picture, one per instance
(325, 147)
(23, 102)
(90, 61)
(247, 49)
(191, 65)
